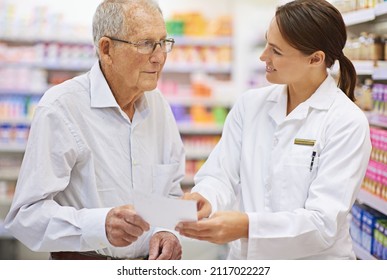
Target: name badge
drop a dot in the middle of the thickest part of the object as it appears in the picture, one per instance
(304, 142)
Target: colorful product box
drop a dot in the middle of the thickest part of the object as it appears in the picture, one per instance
(378, 245)
(369, 218)
(356, 223)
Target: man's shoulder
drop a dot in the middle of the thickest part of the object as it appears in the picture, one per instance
(72, 88)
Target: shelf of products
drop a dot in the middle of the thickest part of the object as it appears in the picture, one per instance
(364, 13)
(367, 50)
(362, 253)
(369, 232)
(376, 69)
(197, 81)
(377, 202)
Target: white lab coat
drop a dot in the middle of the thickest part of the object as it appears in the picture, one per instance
(296, 211)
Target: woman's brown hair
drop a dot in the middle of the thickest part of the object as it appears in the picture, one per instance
(316, 25)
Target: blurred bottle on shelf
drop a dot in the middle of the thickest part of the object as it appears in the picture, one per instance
(364, 97)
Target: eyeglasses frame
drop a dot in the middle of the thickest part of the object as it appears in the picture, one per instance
(155, 43)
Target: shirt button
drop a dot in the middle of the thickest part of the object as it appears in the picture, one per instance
(275, 141)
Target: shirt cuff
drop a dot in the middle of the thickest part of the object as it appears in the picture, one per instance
(93, 227)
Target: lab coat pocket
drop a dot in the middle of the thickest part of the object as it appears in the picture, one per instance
(164, 176)
(299, 169)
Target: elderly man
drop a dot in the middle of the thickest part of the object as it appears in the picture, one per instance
(98, 138)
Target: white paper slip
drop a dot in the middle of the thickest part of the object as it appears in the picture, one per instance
(164, 212)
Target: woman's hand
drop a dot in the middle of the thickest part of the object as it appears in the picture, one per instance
(203, 205)
(221, 228)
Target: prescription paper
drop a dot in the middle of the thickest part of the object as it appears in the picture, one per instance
(164, 212)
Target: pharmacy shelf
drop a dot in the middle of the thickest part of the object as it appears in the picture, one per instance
(3, 233)
(16, 121)
(359, 16)
(361, 253)
(365, 15)
(373, 201)
(380, 72)
(199, 154)
(5, 201)
(33, 37)
(203, 41)
(381, 9)
(9, 174)
(13, 91)
(189, 68)
(6, 236)
(12, 147)
(366, 67)
(376, 119)
(378, 69)
(52, 66)
(189, 128)
(81, 67)
(204, 101)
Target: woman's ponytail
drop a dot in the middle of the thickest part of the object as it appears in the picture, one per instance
(347, 78)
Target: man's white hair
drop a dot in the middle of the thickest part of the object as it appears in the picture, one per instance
(109, 17)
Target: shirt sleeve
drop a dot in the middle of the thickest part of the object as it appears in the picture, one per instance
(35, 218)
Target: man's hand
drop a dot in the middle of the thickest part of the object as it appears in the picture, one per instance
(203, 205)
(164, 245)
(123, 226)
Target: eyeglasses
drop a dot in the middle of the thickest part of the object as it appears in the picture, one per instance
(149, 46)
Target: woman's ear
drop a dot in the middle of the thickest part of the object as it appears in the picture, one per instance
(317, 58)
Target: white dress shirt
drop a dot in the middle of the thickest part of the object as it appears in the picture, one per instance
(297, 209)
(84, 156)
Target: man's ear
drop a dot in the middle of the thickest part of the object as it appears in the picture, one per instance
(317, 58)
(105, 46)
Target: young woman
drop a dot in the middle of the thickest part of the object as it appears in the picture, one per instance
(284, 176)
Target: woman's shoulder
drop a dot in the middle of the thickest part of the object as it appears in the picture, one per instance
(345, 106)
(344, 113)
(260, 93)
(259, 96)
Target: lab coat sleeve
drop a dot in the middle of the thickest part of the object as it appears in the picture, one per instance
(306, 231)
(35, 218)
(218, 180)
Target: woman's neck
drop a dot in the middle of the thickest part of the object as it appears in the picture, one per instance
(300, 92)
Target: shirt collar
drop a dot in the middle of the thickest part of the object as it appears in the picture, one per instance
(324, 96)
(101, 95)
